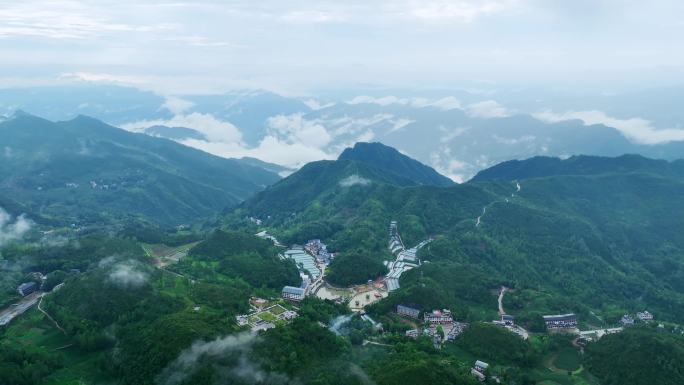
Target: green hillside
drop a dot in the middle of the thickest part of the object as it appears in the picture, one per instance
(600, 241)
(87, 173)
(392, 161)
(638, 356)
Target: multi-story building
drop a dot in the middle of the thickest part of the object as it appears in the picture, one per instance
(292, 293)
(439, 317)
(560, 321)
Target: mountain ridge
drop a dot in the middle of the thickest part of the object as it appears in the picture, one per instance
(67, 170)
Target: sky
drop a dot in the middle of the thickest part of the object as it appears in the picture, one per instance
(297, 47)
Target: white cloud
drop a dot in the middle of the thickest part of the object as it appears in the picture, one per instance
(445, 104)
(201, 41)
(354, 180)
(354, 125)
(12, 230)
(487, 109)
(270, 149)
(636, 129)
(317, 105)
(177, 105)
(447, 165)
(312, 17)
(103, 78)
(124, 273)
(62, 20)
(295, 129)
(243, 369)
(214, 130)
(458, 10)
(451, 133)
(514, 141)
(400, 123)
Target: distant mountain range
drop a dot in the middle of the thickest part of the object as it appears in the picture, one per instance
(85, 172)
(458, 133)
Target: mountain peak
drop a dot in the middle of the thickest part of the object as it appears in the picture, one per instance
(391, 160)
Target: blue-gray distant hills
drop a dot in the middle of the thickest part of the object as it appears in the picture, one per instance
(447, 136)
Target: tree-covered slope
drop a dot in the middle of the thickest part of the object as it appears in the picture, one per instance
(638, 356)
(579, 165)
(604, 235)
(86, 172)
(392, 161)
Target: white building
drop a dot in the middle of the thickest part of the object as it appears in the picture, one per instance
(645, 315)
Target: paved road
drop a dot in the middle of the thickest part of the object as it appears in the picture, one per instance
(14, 310)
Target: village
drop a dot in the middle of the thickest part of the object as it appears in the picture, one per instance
(439, 325)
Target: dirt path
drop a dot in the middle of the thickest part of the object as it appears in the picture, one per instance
(501, 295)
(40, 303)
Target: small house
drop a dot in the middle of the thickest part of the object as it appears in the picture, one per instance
(627, 320)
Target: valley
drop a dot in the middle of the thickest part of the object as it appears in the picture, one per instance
(525, 295)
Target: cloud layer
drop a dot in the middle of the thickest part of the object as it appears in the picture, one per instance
(211, 45)
(127, 274)
(637, 129)
(234, 347)
(12, 229)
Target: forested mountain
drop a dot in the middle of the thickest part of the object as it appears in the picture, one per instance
(85, 172)
(392, 161)
(589, 235)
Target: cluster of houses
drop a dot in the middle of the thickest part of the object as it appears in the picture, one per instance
(438, 324)
(319, 250)
(265, 316)
(311, 260)
(643, 316)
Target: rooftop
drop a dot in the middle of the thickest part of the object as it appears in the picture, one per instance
(293, 290)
